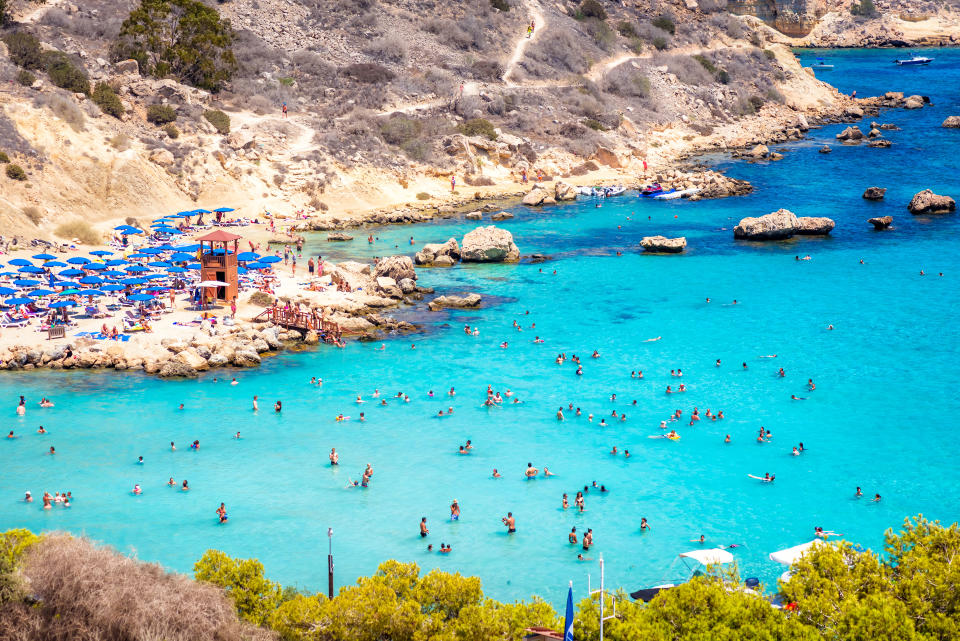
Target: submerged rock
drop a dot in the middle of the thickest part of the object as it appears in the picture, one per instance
(778, 225)
(339, 236)
(825, 149)
(489, 245)
(952, 122)
(881, 222)
(470, 300)
(503, 215)
(663, 245)
(927, 202)
(874, 193)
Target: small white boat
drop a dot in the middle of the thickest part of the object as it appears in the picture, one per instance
(614, 191)
(913, 60)
(586, 191)
(682, 193)
(821, 65)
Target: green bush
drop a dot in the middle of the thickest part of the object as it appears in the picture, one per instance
(666, 24)
(500, 5)
(171, 130)
(709, 66)
(161, 114)
(478, 127)
(660, 43)
(66, 75)
(218, 119)
(16, 172)
(369, 72)
(182, 38)
(108, 100)
(864, 8)
(5, 13)
(4, 158)
(26, 78)
(627, 30)
(596, 125)
(592, 9)
(24, 50)
(723, 77)
(756, 102)
(770, 54)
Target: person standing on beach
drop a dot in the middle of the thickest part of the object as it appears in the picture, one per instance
(453, 184)
(283, 109)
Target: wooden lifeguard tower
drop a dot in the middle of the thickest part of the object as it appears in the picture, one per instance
(218, 261)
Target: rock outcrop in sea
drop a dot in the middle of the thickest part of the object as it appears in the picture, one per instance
(874, 193)
(881, 222)
(952, 122)
(927, 202)
(663, 245)
(439, 255)
(782, 224)
(489, 245)
(461, 302)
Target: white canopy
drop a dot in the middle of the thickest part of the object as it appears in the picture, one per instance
(708, 557)
(790, 555)
(213, 283)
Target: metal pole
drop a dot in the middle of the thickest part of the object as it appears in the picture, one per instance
(330, 563)
(601, 597)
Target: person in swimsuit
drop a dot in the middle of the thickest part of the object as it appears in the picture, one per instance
(454, 511)
(334, 457)
(184, 487)
(511, 523)
(222, 513)
(496, 474)
(644, 526)
(572, 537)
(423, 527)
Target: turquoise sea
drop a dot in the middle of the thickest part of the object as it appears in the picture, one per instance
(881, 416)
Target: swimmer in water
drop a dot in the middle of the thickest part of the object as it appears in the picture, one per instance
(644, 526)
(547, 472)
(40, 430)
(28, 498)
(727, 439)
(255, 406)
(454, 511)
(184, 487)
(797, 398)
(171, 482)
(531, 472)
(876, 498)
(278, 406)
(510, 522)
(136, 489)
(234, 382)
(572, 537)
(173, 448)
(701, 540)
(652, 340)
(496, 474)
(859, 492)
(334, 457)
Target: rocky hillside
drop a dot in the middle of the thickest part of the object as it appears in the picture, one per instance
(386, 99)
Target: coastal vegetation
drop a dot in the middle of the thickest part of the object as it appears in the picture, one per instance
(58, 585)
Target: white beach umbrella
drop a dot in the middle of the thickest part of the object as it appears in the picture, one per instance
(213, 283)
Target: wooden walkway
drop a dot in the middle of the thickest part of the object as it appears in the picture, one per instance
(303, 321)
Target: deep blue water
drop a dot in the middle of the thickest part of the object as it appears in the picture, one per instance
(880, 417)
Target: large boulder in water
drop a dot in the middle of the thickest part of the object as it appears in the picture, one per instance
(489, 245)
(536, 196)
(814, 225)
(563, 191)
(881, 222)
(874, 193)
(927, 202)
(779, 225)
(952, 122)
(663, 245)
(470, 300)
(397, 268)
(431, 251)
(850, 133)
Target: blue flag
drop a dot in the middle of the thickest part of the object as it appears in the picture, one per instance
(568, 623)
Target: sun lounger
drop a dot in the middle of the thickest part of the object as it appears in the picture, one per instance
(9, 321)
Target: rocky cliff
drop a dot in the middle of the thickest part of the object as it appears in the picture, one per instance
(795, 18)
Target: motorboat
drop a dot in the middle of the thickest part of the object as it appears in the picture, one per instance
(650, 190)
(677, 193)
(696, 563)
(913, 60)
(821, 65)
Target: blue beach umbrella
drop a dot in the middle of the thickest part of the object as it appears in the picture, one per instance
(62, 283)
(20, 262)
(122, 227)
(223, 210)
(202, 211)
(69, 292)
(182, 257)
(95, 266)
(155, 277)
(177, 270)
(91, 292)
(270, 259)
(78, 260)
(141, 297)
(193, 266)
(112, 287)
(44, 257)
(112, 273)
(151, 251)
(136, 269)
(26, 282)
(101, 252)
(257, 266)
(54, 263)
(113, 262)
(18, 301)
(40, 292)
(245, 256)
(568, 618)
(133, 281)
(62, 303)
(159, 263)
(91, 280)
(188, 248)
(71, 272)
(6, 291)
(127, 232)
(30, 269)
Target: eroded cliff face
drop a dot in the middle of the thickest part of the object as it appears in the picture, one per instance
(795, 18)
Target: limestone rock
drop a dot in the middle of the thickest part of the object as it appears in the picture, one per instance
(312, 338)
(443, 261)
(776, 226)
(161, 157)
(473, 215)
(874, 193)
(177, 368)
(192, 359)
(881, 222)
(927, 202)
(407, 286)
(760, 151)
(913, 102)
(825, 149)
(489, 245)
(814, 225)
(881, 143)
(339, 236)
(470, 300)
(606, 156)
(128, 67)
(536, 196)
(952, 122)
(432, 251)
(501, 215)
(850, 133)
(217, 360)
(389, 287)
(396, 267)
(663, 245)
(562, 191)
(246, 358)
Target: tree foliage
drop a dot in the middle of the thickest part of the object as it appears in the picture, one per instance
(64, 73)
(108, 100)
(24, 50)
(254, 595)
(185, 39)
(161, 114)
(13, 544)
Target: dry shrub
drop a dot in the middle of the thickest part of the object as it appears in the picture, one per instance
(65, 109)
(368, 72)
(561, 50)
(120, 142)
(487, 70)
(628, 81)
(463, 34)
(478, 181)
(33, 214)
(686, 69)
(423, 196)
(387, 49)
(101, 594)
(81, 230)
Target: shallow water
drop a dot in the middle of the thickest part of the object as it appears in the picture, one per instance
(885, 379)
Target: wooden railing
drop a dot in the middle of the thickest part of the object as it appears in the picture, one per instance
(304, 321)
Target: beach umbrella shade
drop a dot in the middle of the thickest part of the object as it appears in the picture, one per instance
(62, 283)
(101, 252)
(112, 287)
(202, 211)
(91, 280)
(20, 262)
(8, 273)
(155, 277)
(40, 292)
(223, 210)
(62, 303)
(159, 263)
(6, 291)
(167, 230)
(245, 256)
(141, 297)
(188, 248)
(122, 227)
(133, 281)
(157, 288)
(44, 257)
(78, 260)
(54, 263)
(136, 269)
(151, 250)
(26, 282)
(112, 273)
(91, 292)
(127, 232)
(18, 301)
(182, 257)
(30, 269)
(95, 266)
(258, 266)
(71, 272)
(213, 283)
(270, 259)
(69, 292)
(193, 266)
(177, 270)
